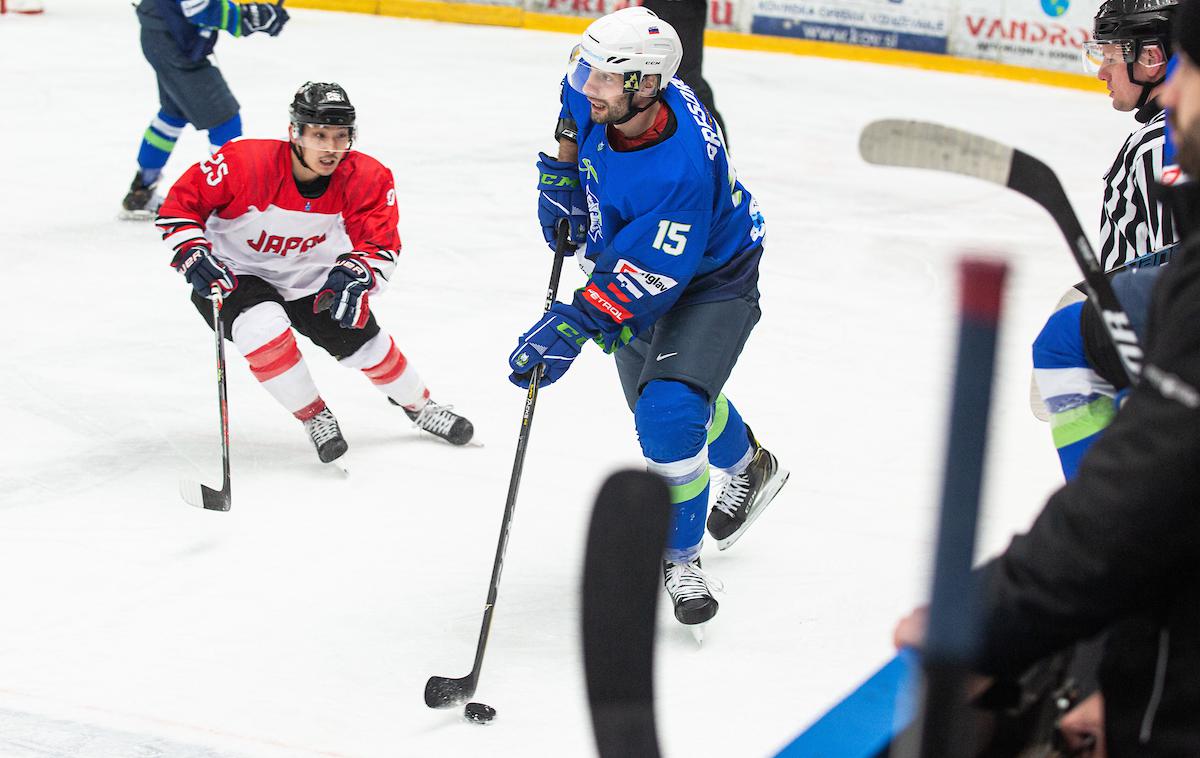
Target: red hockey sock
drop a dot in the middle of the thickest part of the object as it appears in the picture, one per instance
(282, 371)
(397, 380)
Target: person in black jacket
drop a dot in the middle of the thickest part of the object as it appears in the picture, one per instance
(1118, 547)
(177, 37)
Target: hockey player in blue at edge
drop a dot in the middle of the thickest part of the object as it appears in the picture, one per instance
(177, 37)
(673, 241)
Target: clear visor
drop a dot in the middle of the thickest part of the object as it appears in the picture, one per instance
(330, 139)
(1096, 54)
(584, 77)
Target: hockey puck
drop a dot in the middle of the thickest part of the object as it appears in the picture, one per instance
(478, 713)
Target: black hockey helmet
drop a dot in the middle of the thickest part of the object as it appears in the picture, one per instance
(324, 103)
(320, 104)
(1138, 20)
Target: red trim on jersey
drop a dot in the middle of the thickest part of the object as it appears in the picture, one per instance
(390, 368)
(621, 143)
(275, 357)
(620, 295)
(310, 410)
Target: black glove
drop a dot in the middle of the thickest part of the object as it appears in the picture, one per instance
(263, 17)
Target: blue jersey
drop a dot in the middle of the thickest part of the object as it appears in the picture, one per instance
(670, 222)
(193, 25)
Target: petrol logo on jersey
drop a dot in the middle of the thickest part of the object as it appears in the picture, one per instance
(639, 282)
(601, 301)
(282, 246)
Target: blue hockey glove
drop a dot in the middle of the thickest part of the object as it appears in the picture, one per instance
(345, 292)
(263, 17)
(554, 342)
(201, 270)
(561, 197)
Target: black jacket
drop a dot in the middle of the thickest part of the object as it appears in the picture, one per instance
(1118, 547)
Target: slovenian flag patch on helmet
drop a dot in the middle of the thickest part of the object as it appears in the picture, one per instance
(653, 30)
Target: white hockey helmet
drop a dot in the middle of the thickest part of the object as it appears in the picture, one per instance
(632, 42)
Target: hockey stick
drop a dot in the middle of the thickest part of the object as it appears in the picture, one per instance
(952, 639)
(445, 692)
(917, 144)
(622, 574)
(884, 715)
(195, 493)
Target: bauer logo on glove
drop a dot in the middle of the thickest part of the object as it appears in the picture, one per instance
(346, 292)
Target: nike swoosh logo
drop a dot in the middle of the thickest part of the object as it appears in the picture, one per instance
(662, 356)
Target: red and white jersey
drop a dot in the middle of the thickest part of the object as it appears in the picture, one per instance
(243, 203)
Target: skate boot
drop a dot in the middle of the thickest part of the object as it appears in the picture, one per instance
(441, 420)
(744, 497)
(326, 436)
(690, 593)
(141, 204)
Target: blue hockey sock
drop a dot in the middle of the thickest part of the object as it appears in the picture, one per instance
(1079, 400)
(671, 418)
(729, 445)
(223, 132)
(157, 143)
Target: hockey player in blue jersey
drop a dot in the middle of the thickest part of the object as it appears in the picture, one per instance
(177, 37)
(674, 241)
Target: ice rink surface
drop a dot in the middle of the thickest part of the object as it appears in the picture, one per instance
(305, 621)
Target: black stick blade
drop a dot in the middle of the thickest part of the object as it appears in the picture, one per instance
(443, 692)
(622, 580)
(202, 496)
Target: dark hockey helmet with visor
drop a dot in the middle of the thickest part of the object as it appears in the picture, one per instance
(1125, 30)
(323, 104)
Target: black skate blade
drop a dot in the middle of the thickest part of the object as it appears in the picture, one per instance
(203, 496)
(443, 692)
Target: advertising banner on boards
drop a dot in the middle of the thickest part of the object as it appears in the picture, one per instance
(899, 24)
(1038, 33)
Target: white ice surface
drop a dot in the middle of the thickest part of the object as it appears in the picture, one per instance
(305, 621)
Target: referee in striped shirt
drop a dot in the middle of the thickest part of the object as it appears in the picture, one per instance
(1129, 50)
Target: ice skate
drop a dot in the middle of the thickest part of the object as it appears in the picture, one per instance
(142, 202)
(442, 421)
(691, 593)
(744, 497)
(326, 436)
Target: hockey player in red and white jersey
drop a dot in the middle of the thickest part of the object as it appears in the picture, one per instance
(299, 235)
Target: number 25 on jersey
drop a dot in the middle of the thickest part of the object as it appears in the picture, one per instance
(215, 168)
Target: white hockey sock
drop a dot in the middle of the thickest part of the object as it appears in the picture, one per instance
(388, 370)
(264, 336)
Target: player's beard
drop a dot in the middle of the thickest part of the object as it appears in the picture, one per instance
(1187, 148)
(614, 110)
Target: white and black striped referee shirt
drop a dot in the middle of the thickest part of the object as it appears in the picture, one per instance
(1134, 220)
